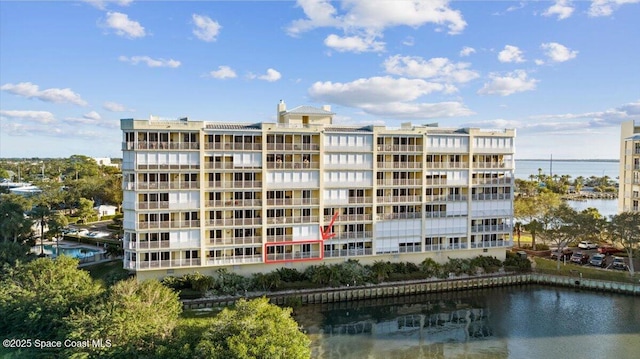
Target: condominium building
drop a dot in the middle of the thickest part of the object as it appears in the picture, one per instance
(199, 196)
(629, 187)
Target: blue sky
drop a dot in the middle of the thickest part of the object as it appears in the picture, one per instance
(564, 73)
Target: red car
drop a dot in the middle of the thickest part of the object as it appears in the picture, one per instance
(579, 258)
(609, 250)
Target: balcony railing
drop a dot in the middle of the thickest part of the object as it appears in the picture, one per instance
(234, 222)
(292, 201)
(406, 215)
(280, 238)
(398, 199)
(235, 203)
(293, 255)
(430, 165)
(169, 224)
(233, 146)
(484, 181)
(348, 166)
(399, 182)
(490, 244)
(234, 260)
(444, 247)
(489, 165)
(154, 205)
(399, 148)
(293, 165)
(174, 166)
(292, 219)
(490, 196)
(136, 245)
(491, 228)
(348, 252)
(234, 184)
(160, 146)
(173, 263)
(441, 214)
(445, 197)
(235, 241)
(293, 147)
(416, 165)
(160, 185)
(349, 218)
(352, 235)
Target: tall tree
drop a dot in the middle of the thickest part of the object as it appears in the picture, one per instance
(625, 229)
(85, 209)
(14, 225)
(559, 227)
(41, 214)
(254, 329)
(56, 223)
(534, 211)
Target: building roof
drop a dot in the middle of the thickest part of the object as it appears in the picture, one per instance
(633, 138)
(347, 129)
(309, 110)
(233, 126)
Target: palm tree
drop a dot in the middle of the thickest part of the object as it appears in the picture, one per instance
(41, 215)
(56, 223)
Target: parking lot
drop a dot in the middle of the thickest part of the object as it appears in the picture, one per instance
(608, 259)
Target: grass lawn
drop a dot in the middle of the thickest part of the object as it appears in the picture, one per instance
(548, 266)
(106, 271)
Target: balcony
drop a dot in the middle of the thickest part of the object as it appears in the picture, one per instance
(234, 184)
(491, 244)
(159, 146)
(445, 197)
(155, 205)
(348, 166)
(168, 224)
(292, 201)
(445, 247)
(173, 166)
(490, 165)
(491, 228)
(293, 147)
(399, 182)
(492, 181)
(235, 203)
(348, 252)
(293, 256)
(160, 185)
(235, 241)
(446, 165)
(399, 148)
(174, 263)
(293, 165)
(349, 218)
(279, 238)
(234, 260)
(441, 214)
(292, 219)
(360, 200)
(234, 222)
(416, 165)
(142, 245)
(399, 199)
(391, 216)
(233, 146)
(490, 196)
(353, 235)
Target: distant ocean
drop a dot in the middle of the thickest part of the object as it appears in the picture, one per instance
(573, 168)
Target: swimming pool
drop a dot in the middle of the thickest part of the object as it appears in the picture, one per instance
(75, 252)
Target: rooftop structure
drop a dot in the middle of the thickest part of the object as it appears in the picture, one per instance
(199, 196)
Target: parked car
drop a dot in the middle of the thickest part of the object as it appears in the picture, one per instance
(598, 260)
(579, 258)
(566, 254)
(587, 245)
(606, 250)
(618, 264)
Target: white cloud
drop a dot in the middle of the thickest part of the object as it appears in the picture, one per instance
(510, 54)
(437, 69)
(56, 95)
(513, 82)
(409, 41)
(271, 76)
(102, 4)
(93, 115)
(115, 107)
(123, 26)
(606, 7)
(43, 117)
(223, 72)
(353, 44)
(388, 97)
(562, 8)
(206, 29)
(368, 19)
(150, 62)
(557, 52)
(538, 62)
(466, 51)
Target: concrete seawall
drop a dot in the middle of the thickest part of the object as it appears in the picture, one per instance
(344, 294)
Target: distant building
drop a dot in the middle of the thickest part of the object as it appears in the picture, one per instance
(199, 196)
(106, 210)
(629, 189)
(105, 161)
(21, 188)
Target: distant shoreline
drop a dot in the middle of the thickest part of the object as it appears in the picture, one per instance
(565, 160)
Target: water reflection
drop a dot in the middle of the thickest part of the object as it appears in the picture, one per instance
(493, 323)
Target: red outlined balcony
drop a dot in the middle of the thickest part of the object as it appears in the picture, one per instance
(294, 251)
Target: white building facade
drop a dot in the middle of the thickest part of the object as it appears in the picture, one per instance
(629, 188)
(199, 196)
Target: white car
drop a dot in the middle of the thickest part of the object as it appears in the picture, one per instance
(587, 245)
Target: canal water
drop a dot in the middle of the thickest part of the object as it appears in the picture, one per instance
(507, 322)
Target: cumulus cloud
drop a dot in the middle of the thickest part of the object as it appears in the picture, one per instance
(93, 116)
(562, 8)
(206, 29)
(56, 95)
(438, 69)
(271, 76)
(365, 18)
(510, 54)
(43, 117)
(134, 60)
(388, 97)
(606, 7)
(102, 4)
(353, 44)
(513, 82)
(557, 52)
(466, 51)
(123, 26)
(223, 72)
(115, 107)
